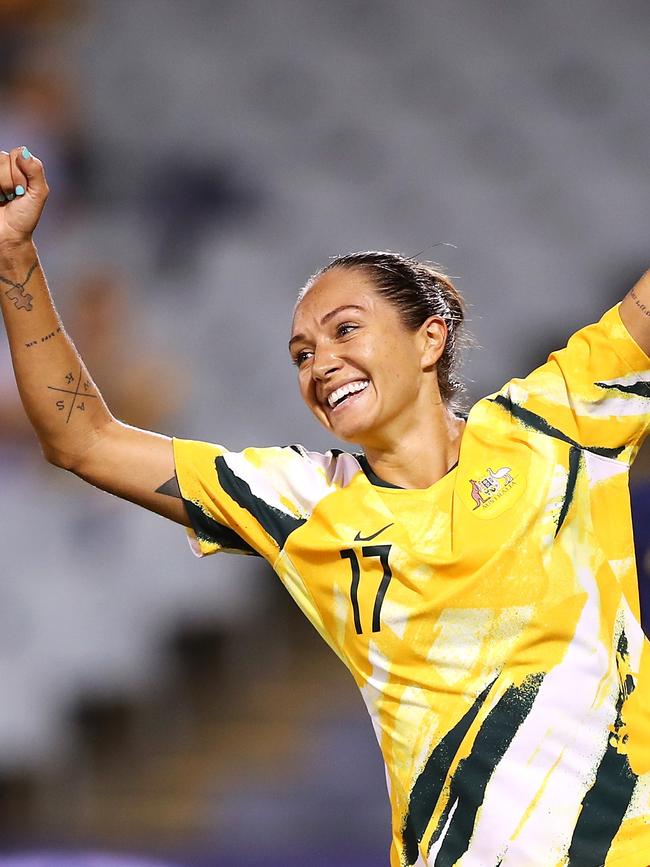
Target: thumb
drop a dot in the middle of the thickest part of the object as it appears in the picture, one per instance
(32, 169)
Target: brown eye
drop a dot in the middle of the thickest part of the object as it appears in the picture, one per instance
(301, 357)
(345, 328)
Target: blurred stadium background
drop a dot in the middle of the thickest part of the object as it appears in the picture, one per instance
(204, 158)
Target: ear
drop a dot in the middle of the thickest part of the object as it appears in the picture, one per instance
(433, 338)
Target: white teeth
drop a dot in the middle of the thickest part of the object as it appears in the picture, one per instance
(345, 390)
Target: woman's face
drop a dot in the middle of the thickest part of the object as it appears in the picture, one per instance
(360, 370)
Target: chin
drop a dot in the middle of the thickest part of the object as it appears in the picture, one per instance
(351, 439)
(346, 430)
(353, 434)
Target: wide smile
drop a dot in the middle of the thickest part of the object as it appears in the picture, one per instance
(346, 395)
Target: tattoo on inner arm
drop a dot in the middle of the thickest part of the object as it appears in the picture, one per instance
(642, 307)
(81, 392)
(170, 488)
(17, 292)
(44, 338)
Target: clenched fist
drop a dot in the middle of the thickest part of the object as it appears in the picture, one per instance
(23, 192)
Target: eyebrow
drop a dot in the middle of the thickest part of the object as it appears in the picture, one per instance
(327, 318)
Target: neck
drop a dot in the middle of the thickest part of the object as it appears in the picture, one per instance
(421, 457)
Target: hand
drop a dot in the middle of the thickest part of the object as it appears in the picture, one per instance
(23, 192)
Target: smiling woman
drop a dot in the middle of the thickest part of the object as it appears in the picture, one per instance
(418, 290)
(375, 341)
(475, 575)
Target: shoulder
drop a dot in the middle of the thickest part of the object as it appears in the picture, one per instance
(293, 461)
(335, 466)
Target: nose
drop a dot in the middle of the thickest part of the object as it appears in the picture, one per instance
(325, 363)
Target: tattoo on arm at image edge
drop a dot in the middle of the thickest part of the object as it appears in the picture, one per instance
(643, 307)
(17, 292)
(170, 488)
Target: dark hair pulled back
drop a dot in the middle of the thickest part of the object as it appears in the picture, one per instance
(418, 290)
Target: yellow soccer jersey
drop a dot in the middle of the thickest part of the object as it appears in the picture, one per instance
(491, 621)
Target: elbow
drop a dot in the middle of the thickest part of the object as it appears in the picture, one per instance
(58, 458)
(73, 455)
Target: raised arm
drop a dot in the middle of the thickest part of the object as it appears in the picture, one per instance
(635, 312)
(75, 427)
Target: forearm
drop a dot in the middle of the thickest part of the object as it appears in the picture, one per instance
(635, 312)
(60, 399)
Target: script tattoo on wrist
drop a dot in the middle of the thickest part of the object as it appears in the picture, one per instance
(79, 390)
(642, 307)
(44, 338)
(17, 292)
(170, 488)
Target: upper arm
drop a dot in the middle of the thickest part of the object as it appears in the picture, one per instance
(248, 501)
(136, 465)
(594, 393)
(635, 312)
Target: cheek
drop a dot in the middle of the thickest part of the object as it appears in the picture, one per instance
(303, 387)
(306, 388)
(399, 359)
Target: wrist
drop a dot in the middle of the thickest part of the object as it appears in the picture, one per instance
(15, 254)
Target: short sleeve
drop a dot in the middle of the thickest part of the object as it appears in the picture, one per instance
(595, 393)
(247, 502)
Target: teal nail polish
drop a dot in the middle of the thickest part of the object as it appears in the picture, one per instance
(10, 196)
(26, 154)
(20, 190)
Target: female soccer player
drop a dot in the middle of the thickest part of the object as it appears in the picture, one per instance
(476, 576)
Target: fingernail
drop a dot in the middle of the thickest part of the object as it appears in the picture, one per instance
(10, 196)
(26, 154)
(20, 190)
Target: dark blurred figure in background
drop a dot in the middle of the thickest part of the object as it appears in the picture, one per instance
(23, 21)
(146, 392)
(39, 101)
(640, 495)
